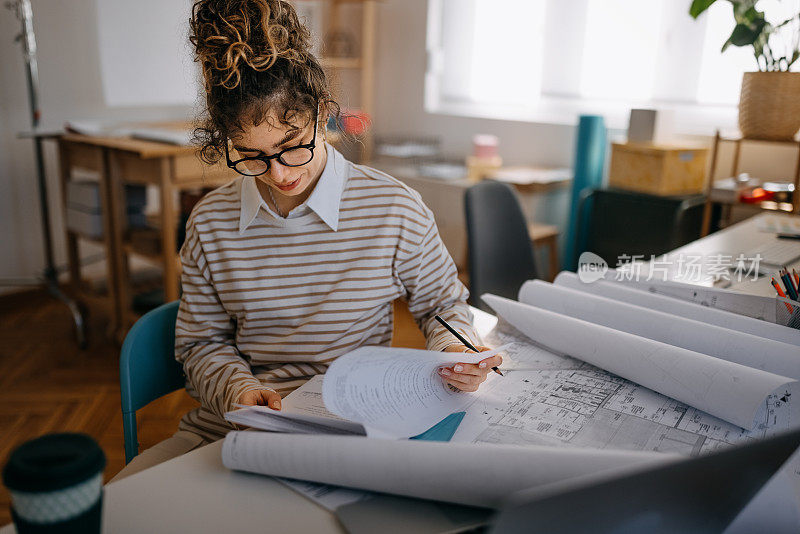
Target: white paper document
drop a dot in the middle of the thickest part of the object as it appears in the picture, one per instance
(690, 310)
(302, 412)
(395, 393)
(727, 390)
(458, 473)
(738, 347)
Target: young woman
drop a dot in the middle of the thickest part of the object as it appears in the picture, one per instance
(299, 260)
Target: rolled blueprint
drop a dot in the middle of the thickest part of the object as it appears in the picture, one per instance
(727, 390)
(476, 475)
(738, 347)
(690, 310)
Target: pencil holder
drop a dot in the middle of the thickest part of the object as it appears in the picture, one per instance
(56, 485)
(788, 312)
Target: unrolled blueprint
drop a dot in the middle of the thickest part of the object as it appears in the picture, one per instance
(725, 389)
(552, 399)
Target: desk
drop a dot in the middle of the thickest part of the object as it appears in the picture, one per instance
(196, 493)
(733, 240)
(118, 160)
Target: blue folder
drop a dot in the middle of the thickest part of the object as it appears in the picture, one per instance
(444, 429)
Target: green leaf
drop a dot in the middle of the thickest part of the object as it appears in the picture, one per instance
(698, 6)
(743, 9)
(743, 35)
(751, 15)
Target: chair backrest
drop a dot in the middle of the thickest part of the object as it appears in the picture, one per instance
(622, 222)
(147, 366)
(500, 255)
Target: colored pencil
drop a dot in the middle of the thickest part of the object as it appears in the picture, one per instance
(782, 294)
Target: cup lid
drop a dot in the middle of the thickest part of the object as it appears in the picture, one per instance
(53, 462)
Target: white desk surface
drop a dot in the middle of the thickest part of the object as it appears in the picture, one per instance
(196, 493)
(736, 239)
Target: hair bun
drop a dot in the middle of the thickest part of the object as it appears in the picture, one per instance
(229, 35)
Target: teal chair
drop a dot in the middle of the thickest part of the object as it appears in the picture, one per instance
(147, 367)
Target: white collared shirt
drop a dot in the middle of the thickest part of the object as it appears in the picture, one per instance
(324, 200)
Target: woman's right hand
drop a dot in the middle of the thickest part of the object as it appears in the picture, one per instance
(261, 397)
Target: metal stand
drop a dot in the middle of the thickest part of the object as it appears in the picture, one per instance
(49, 278)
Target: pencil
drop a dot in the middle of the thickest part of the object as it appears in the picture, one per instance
(782, 294)
(462, 339)
(788, 284)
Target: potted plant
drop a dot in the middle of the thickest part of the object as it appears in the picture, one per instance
(769, 104)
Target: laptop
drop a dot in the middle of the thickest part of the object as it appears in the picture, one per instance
(699, 495)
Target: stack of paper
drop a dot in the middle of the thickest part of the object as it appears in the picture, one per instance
(376, 391)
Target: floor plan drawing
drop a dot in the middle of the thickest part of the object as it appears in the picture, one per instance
(551, 399)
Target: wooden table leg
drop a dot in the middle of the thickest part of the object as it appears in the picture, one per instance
(705, 226)
(169, 227)
(113, 196)
(552, 251)
(73, 257)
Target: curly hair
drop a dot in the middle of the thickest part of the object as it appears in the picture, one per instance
(255, 58)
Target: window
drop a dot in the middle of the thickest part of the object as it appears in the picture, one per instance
(549, 60)
(481, 55)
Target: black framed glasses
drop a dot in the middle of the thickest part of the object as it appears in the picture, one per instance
(295, 156)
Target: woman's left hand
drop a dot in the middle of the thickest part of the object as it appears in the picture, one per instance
(468, 376)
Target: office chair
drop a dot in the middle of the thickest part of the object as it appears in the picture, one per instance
(147, 368)
(500, 256)
(614, 222)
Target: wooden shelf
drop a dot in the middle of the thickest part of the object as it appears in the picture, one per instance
(360, 63)
(737, 139)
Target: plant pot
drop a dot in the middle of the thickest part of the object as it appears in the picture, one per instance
(769, 105)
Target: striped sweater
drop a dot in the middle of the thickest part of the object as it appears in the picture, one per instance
(269, 302)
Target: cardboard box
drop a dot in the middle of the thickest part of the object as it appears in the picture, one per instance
(658, 169)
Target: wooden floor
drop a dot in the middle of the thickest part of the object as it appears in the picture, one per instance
(48, 385)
